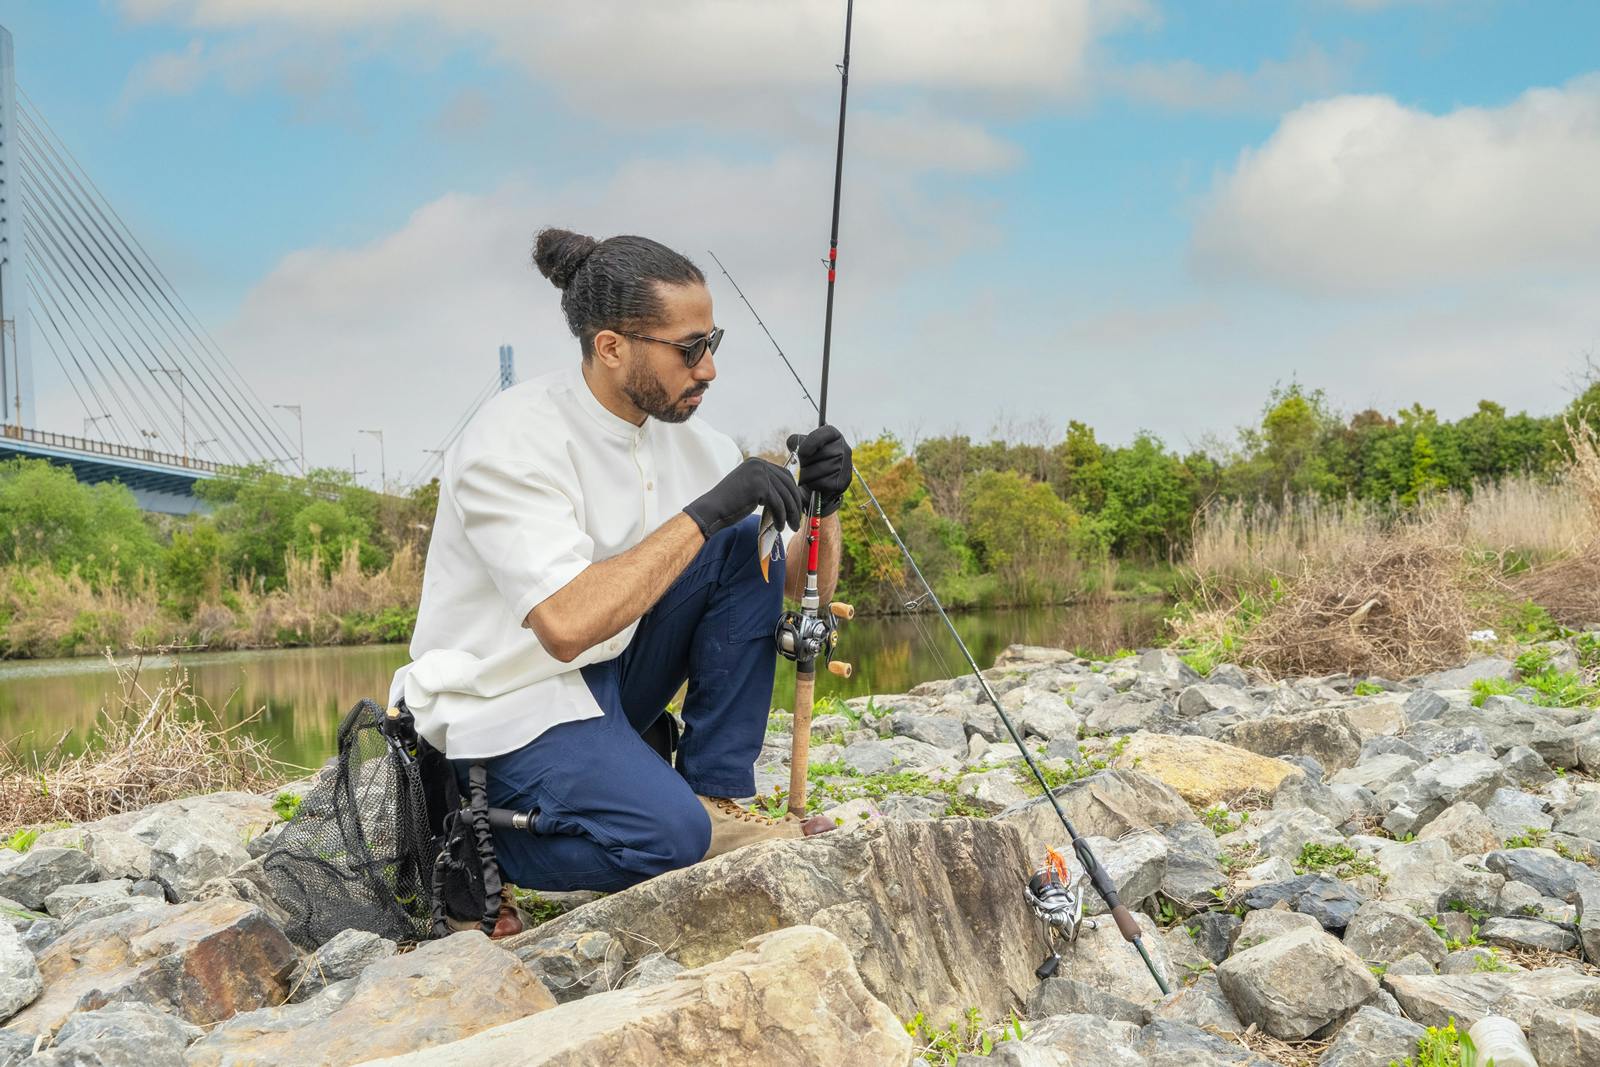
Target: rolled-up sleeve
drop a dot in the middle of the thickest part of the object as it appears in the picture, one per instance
(523, 528)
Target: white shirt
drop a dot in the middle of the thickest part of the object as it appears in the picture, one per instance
(543, 482)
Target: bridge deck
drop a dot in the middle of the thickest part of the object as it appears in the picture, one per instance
(161, 481)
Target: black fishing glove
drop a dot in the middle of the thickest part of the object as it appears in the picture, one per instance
(752, 484)
(825, 465)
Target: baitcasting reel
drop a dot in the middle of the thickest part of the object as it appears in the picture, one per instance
(803, 637)
(1059, 907)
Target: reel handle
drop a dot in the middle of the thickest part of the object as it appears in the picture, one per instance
(840, 669)
(841, 610)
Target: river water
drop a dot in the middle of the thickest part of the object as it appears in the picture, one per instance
(297, 696)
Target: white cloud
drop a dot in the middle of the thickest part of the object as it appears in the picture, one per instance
(401, 332)
(1361, 193)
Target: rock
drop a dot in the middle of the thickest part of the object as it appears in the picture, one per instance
(1379, 717)
(1563, 1038)
(1587, 898)
(119, 1034)
(1414, 963)
(1202, 771)
(1433, 1000)
(1383, 933)
(868, 757)
(69, 900)
(1508, 723)
(1582, 818)
(1068, 996)
(1467, 961)
(116, 905)
(1214, 931)
(1373, 1038)
(117, 854)
(853, 812)
(186, 853)
(1512, 812)
(1424, 876)
(1136, 864)
(1078, 1039)
(1109, 803)
(653, 969)
(1376, 772)
(1048, 717)
(1128, 713)
(994, 790)
(201, 962)
(909, 754)
(1527, 933)
(1164, 1043)
(38, 936)
(1326, 735)
(1465, 776)
(1193, 876)
(1541, 868)
(1276, 869)
(1202, 1004)
(940, 731)
(1423, 705)
(1464, 828)
(911, 808)
(1199, 699)
(1292, 986)
(1300, 791)
(1485, 668)
(411, 1003)
(1262, 926)
(930, 910)
(1284, 834)
(791, 996)
(1525, 768)
(1229, 674)
(572, 967)
(345, 955)
(20, 983)
(1168, 667)
(1323, 897)
(1102, 959)
(29, 877)
(1435, 739)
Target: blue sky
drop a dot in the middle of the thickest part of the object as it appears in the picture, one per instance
(1138, 214)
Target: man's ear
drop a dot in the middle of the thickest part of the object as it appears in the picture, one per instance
(608, 347)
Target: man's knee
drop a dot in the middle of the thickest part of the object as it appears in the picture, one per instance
(682, 836)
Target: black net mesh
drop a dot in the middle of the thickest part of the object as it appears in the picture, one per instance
(359, 853)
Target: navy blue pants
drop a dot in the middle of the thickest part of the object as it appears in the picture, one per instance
(612, 812)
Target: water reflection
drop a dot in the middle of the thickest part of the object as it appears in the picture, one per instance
(302, 693)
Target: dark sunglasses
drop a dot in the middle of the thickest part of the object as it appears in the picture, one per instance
(692, 351)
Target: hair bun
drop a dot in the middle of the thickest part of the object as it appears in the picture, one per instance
(559, 253)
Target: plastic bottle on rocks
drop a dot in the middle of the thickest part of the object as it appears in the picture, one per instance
(1499, 1040)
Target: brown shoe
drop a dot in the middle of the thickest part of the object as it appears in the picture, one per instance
(508, 923)
(735, 826)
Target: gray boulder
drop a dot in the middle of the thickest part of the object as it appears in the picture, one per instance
(187, 851)
(1540, 868)
(20, 982)
(653, 969)
(1136, 864)
(69, 900)
(868, 757)
(1377, 771)
(1485, 668)
(1510, 932)
(1465, 828)
(1466, 776)
(1525, 768)
(1167, 1043)
(1168, 668)
(1323, 897)
(1512, 812)
(1373, 1038)
(1294, 985)
(1202, 1004)
(942, 732)
(573, 966)
(1560, 1037)
(1109, 803)
(1068, 996)
(1262, 926)
(1433, 1000)
(345, 955)
(29, 877)
(1581, 818)
(1382, 933)
(117, 854)
(1326, 735)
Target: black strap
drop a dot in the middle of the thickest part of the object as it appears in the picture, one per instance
(478, 786)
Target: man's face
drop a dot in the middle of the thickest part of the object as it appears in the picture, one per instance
(656, 380)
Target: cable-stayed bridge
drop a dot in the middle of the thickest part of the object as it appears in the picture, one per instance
(161, 405)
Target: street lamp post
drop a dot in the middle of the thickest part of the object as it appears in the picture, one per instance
(383, 467)
(183, 415)
(300, 420)
(150, 437)
(88, 424)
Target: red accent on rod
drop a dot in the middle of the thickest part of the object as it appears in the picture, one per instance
(833, 254)
(811, 546)
(830, 274)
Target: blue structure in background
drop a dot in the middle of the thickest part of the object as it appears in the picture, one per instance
(160, 481)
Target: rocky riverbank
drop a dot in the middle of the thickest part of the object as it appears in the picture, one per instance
(1320, 874)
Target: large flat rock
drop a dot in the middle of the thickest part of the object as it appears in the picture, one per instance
(1434, 999)
(789, 997)
(1202, 771)
(931, 912)
(202, 962)
(443, 992)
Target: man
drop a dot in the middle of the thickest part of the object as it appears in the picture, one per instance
(595, 548)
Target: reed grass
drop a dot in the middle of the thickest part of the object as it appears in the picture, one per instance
(153, 744)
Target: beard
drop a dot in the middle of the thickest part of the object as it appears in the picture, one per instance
(645, 391)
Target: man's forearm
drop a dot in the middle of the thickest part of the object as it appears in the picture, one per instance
(607, 596)
(828, 546)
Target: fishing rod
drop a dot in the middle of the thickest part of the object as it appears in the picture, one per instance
(1098, 878)
(810, 634)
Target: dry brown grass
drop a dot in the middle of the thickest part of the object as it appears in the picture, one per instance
(1536, 518)
(49, 612)
(1394, 603)
(152, 745)
(1285, 1053)
(1239, 548)
(312, 604)
(1569, 588)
